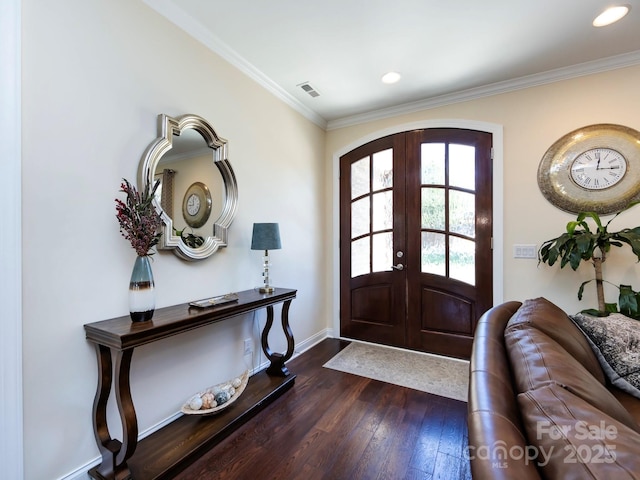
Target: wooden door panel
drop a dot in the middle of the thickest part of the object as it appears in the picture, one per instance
(446, 312)
(441, 343)
(372, 304)
(372, 316)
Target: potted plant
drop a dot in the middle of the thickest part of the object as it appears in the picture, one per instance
(139, 224)
(580, 244)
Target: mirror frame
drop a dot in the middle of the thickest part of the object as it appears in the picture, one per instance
(167, 128)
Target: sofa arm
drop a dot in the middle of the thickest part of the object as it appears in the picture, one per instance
(497, 442)
(498, 449)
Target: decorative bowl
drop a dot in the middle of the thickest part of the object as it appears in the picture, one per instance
(228, 387)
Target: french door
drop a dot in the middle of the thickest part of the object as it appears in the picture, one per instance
(415, 239)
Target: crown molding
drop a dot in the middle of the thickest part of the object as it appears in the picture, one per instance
(170, 10)
(544, 78)
(177, 16)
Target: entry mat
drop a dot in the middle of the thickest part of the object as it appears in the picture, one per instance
(444, 376)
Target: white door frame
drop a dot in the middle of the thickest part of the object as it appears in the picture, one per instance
(11, 440)
(498, 205)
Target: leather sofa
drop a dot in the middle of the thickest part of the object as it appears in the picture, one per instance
(540, 404)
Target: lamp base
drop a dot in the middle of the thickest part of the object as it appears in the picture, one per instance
(267, 289)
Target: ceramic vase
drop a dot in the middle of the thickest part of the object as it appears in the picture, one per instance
(142, 295)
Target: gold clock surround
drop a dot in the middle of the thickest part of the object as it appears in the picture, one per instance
(554, 171)
(201, 192)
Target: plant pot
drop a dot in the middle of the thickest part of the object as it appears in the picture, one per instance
(142, 295)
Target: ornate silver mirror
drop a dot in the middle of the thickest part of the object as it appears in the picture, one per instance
(198, 195)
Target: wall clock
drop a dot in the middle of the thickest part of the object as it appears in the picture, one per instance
(592, 169)
(196, 205)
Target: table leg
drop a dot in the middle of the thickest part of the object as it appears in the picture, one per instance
(114, 453)
(125, 407)
(277, 366)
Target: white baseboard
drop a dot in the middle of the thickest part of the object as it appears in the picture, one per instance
(312, 341)
(81, 473)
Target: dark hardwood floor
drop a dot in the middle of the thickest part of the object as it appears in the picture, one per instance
(333, 425)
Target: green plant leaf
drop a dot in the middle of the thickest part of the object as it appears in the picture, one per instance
(548, 253)
(594, 216)
(628, 301)
(595, 313)
(631, 236)
(596, 219)
(575, 257)
(571, 226)
(611, 307)
(554, 248)
(585, 244)
(581, 289)
(552, 256)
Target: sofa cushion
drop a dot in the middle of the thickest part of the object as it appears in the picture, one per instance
(571, 439)
(537, 360)
(629, 402)
(616, 342)
(552, 320)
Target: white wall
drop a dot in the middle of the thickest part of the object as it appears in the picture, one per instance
(10, 244)
(95, 76)
(531, 120)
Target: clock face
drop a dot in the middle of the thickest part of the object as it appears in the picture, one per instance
(598, 168)
(193, 204)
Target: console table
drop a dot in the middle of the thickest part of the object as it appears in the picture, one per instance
(171, 448)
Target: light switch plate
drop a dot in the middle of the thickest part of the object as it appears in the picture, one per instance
(525, 251)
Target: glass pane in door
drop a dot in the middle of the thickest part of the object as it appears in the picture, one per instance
(360, 177)
(462, 166)
(360, 255)
(462, 265)
(462, 213)
(360, 222)
(433, 213)
(433, 253)
(382, 252)
(432, 162)
(383, 211)
(382, 169)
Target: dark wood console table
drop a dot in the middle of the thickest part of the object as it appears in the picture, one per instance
(173, 447)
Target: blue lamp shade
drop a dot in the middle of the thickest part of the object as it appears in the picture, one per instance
(266, 236)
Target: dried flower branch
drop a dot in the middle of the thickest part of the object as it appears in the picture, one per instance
(139, 221)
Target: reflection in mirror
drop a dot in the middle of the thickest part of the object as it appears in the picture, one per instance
(189, 160)
(198, 194)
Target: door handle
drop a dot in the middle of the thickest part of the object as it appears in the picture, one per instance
(398, 266)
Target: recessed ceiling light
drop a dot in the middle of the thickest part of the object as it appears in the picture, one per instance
(611, 15)
(391, 77)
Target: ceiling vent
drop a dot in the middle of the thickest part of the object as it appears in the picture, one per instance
(309, 89)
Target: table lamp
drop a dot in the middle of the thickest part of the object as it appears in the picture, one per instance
(266, 236)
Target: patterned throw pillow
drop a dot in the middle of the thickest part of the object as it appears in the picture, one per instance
(616, 342)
